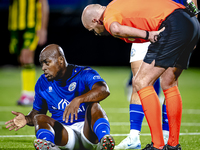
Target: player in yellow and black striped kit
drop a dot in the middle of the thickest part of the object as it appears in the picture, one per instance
(27, 24)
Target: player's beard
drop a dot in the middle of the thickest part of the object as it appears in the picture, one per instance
(50, 78)
(58, 76)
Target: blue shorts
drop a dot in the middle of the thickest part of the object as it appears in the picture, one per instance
(176, 42)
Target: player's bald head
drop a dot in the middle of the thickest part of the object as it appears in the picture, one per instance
(89, 13)
(52, 51)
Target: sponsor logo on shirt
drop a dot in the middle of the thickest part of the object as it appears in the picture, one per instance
(64, 103)
(72, 86)
(96, 77)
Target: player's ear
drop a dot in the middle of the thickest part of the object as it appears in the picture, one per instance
(94, 20)
(61, 60)
(98, 21)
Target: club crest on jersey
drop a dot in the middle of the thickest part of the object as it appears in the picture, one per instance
(72, 86)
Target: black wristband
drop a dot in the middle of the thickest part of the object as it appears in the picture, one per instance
(147, 35)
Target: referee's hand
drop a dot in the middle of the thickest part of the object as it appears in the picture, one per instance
(155, 35)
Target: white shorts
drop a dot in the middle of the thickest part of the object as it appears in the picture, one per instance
(76, 138)
(138, 51)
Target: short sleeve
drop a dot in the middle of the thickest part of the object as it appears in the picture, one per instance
(91, 77)
(110, 16)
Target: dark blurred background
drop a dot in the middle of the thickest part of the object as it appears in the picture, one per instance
(81, 47)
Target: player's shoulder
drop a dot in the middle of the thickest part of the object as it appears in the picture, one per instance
(88, 70)
(90, 73)
(80, 69)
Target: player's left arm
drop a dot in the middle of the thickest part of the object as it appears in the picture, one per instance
(98, 92)
(122, 31)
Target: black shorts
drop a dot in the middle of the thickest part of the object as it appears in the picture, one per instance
(176, 42)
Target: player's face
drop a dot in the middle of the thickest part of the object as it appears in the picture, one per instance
(50, 66)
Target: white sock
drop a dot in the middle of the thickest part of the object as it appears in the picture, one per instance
(134, 132)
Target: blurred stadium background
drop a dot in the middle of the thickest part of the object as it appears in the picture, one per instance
(81, 47)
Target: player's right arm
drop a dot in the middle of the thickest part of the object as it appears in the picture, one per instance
(123, 31)
(39, 107)
(21, 120)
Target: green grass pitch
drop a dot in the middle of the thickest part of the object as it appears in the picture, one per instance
(116, 107)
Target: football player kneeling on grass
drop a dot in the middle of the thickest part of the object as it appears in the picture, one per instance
(71, 94)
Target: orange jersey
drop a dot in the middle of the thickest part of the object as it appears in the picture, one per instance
(141, 14)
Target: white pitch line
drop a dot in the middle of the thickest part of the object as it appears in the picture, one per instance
(19, 136)
(126, 110)
(142, 134)
(145, 124)
(128, 124)
(148, 134)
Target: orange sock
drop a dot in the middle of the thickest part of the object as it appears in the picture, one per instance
(152, 110)
(174, 113)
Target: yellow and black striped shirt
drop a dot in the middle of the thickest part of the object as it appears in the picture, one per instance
(24, 14)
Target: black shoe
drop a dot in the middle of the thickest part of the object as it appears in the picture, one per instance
(150, 147)
(177, 147)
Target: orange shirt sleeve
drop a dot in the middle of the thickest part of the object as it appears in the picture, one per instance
(111, 16)
(139, 14)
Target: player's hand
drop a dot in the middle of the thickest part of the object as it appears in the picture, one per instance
(42, 34)
(71, 109)
(155, 35)
(18, 122)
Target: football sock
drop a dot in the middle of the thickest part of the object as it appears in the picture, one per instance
(152, 110)
(101, 127)
(45, 134)
(165, 125)
(28, 78)
(157, 86)
(136, 117)
(174, 113)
